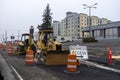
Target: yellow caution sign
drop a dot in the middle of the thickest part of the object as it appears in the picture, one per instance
(73, 52)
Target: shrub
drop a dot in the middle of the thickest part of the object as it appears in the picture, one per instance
(89, 39)
(62, 39)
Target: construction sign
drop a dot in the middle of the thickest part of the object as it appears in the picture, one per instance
(80, 51)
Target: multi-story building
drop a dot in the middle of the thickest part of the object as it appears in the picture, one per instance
(83, 22)
(72, 24)
(63, 29)
(104, 21)
(94, 21)
(56, 28)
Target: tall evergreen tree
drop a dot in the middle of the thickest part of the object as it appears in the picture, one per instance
(47, 19)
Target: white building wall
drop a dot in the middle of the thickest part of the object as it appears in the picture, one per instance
(97, 33)
(72, 24)
(63, 27)
(56, 28)
(111, 33)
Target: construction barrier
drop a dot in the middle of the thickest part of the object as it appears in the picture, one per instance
(10, 46)
(72, 64)
(4, 47)
(109, 55)
(10, 49)
(29, 60)
(0, 45)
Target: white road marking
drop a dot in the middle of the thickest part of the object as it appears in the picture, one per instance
(17, 73)
(100, 66)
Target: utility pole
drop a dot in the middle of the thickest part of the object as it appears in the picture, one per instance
(89, 20)
(18, 34)
(5, 36)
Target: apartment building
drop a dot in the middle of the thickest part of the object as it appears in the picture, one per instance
(56, 28)
(83, 22)
(63, 29)
(72, 24)
(104, 21)
(94, 21)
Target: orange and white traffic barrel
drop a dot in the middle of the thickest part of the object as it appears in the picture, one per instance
(4, 47)
(72, 64)
(29, 60)
(10, 49)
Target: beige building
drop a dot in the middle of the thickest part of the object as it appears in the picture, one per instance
(83, 22)
(104, 21)
(94, 21)
(73, 23)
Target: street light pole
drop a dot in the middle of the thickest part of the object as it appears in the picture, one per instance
(89, 23)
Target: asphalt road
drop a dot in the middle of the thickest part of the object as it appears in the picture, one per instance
(13, 67)
(42, 72)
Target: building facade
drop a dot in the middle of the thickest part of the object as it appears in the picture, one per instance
(72, 24)
(94, 21)
(104, 21)
(56, 28)
(63, 29)
(83, 22)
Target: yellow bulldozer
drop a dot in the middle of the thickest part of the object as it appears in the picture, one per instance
(26, 43)
(49, 50)
(46, 48)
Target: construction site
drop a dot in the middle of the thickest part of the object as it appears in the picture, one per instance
(48, 59)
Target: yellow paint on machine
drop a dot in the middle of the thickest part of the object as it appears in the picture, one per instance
(116, 57)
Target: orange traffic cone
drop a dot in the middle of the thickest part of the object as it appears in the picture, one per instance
(29, 60)
(109, 54)
(72, 64)
(10, 49)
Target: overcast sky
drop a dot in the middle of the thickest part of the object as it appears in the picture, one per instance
(19, 15)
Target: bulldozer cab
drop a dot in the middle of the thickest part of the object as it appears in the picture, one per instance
(25, 38)
(27, 42)
(46, 41)
(46, 36)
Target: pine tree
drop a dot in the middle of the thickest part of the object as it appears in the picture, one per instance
(47, 19)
